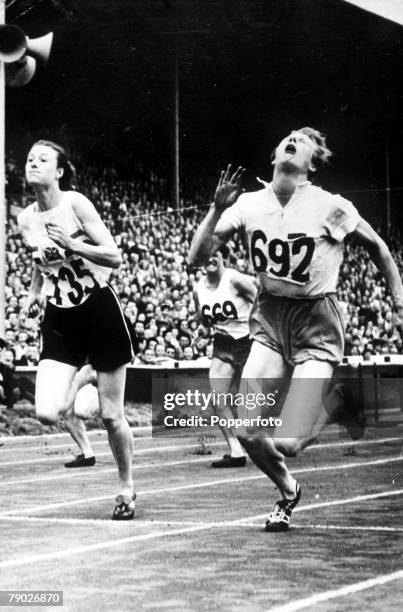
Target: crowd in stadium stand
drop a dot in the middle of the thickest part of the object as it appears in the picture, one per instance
(155, 284)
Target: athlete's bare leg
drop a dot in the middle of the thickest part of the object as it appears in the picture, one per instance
(52, 389)
(301, 411)
(77, 430)
(265, 363)
(224, 379)
(111, 387)
(75, 425)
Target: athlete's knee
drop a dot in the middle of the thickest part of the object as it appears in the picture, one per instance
(250, 440)
(49, 415)
(113, 423)
(112, 414)
(289, 447)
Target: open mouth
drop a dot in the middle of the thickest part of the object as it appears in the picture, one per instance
(290, 148)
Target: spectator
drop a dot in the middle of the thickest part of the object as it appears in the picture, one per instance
(154, 282)
(9, 391)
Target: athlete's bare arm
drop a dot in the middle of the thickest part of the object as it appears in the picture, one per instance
(245, 286)
(197, 305)
(382, 258)
(214, 231)
(198, 315)
(35, 295)
(103, 252)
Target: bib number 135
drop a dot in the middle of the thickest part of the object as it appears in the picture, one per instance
(282, 259)
(76, 278)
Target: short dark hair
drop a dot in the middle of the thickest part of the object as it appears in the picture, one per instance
(66, 181)
(322, 152)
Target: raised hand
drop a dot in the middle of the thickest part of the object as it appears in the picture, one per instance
(34, 301)
(228, 188)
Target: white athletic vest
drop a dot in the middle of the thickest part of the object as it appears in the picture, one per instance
(68, 278)
(223, 307)
(296, 250)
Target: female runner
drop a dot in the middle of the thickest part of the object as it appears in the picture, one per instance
(74, 254)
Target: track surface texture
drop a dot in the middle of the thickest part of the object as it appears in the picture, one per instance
(198, 541)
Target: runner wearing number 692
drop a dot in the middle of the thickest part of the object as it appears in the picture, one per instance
(74, 254)
(295, 233)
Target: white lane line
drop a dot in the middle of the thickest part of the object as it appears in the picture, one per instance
(348, 589)
(63, 434)
(100, 546)
(90, 473)
(55, 456)
(55, 447)
(97, 472)
(338, 502)
(119, 525)
(28, 560)
(242, 522)
(138, 451)
(201, 485)
(331, 431)
(5, 447)
(348, 528)
(354, 443)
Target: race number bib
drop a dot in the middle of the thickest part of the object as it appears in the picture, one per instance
(218, 313)
(72, 284)
(287, 260)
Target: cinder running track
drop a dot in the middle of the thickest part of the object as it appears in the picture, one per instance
(198, 543)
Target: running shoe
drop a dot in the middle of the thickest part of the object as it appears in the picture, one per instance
(279, 518)
(124, 509)
(80, 461)
(229, 462)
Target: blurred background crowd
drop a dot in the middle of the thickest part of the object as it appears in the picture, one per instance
(155, 283)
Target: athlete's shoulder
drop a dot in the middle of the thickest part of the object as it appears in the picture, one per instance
(251, 197)
(241, 211)
(238, 278)
(83, 209)
(326, 197)
(233, 274)
(199, 285)
(339, 216)
(250, 201)
(77, 199)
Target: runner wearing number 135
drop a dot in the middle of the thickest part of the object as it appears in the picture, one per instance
(295, 233)
(73, 256)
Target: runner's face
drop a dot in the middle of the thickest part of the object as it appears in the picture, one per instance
(41, 167)
(215, 262)
(296, 150)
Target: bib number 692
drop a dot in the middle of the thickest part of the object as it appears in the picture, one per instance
(279, 252)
